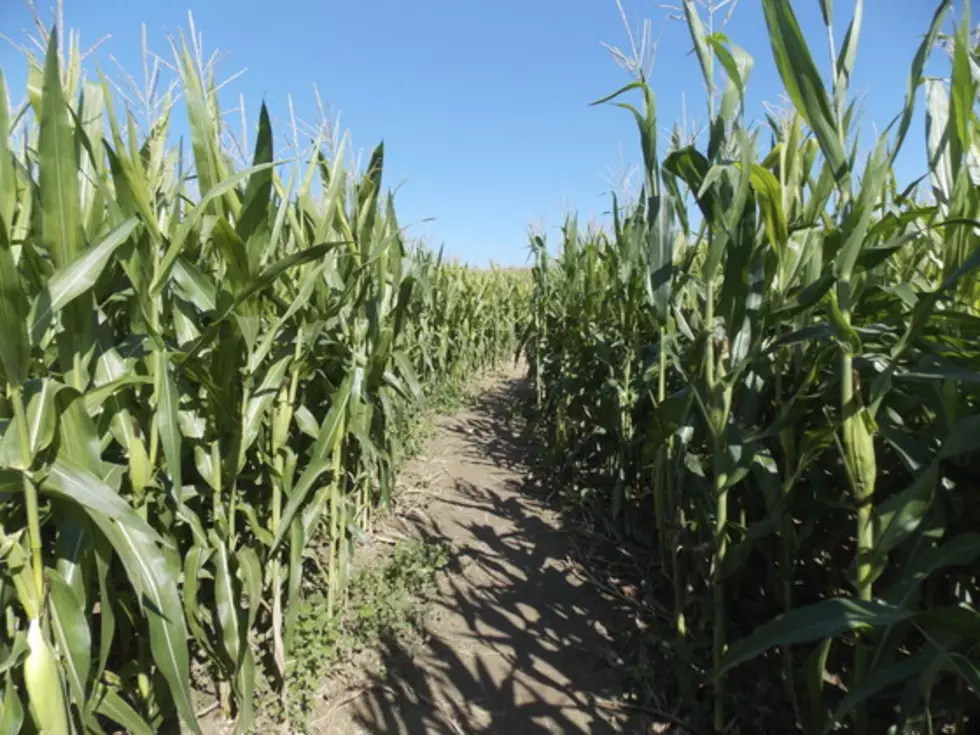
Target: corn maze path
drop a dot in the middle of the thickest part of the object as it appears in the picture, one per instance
(515, 642)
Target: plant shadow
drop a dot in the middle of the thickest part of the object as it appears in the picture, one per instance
(517, 641)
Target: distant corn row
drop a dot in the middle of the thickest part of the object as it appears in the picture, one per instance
(770, 367)
(203, 368)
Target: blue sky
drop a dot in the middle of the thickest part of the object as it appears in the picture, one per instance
(483, 105)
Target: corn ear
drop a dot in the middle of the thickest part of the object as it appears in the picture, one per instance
(859, 450)
(42, 677)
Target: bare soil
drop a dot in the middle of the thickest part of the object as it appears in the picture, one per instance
(515, 642)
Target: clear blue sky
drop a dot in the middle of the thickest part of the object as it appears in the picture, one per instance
(483, 105)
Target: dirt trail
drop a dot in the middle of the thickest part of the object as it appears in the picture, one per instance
(516, 642)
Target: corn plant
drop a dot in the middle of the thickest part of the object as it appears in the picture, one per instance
(206, 372)
(783, 389)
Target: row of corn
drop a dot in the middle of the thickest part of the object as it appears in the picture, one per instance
(768, 370)
(204, 368)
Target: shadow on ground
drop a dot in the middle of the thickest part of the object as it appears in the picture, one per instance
(517, 643)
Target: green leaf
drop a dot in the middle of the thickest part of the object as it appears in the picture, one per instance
(194, 561)
(959, 551)
(306, 422)
(234, 633)
(965, 668)
(244, 687)
(58, 168)
(111, 705)
(617, 93)
(192, 284)
(75, 484)
(96, 397)
(696, 28)
(72, 635)
(78, 438)
(813, 622)
(74, 540)
(689, 165)
(227, 598)
(203, 127)
(77, 277)
(960, 621)
(736, 62)
(107, 616)
(915, 74)
(190, 220)
(900, 515)
(258, 192)
(14, 347)
(937, 140)
(859, 219)
(297, 541)
(8, 181)
(844, 67)
(660, 252)
(327, 440)
(41, 415)
(963, 97)
(312, 277)
(815, 670)
(407, 374)
(261, 400)
(167, 423)
(368, 190)
(875, 682)
(250, 571)
(768, 192)
(233, 254)
(260, 282)
(11, 708)
(827, 11)
(156, 584)
(963, 438)
(802, 81)
(16, 654)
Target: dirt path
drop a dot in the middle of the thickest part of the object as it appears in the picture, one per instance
(516, 643)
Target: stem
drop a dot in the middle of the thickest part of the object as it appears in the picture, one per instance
(277, 497)
(718, 591)
(216, 476)
(721, 511)
(786, 568)
(679, 622)
(365, 499)
(30, 492)
(660, 467)
(865, 530)
(787, 575)
(334, 545)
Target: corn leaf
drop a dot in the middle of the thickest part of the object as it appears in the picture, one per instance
(77, 277)
(14, 347)
(168, 406)
(58, 177)
(813, 622)
(113, 706)
(802, 81)
(11, 708)
(75, 484)
(156, 584)
(8, 182)
(72, 635)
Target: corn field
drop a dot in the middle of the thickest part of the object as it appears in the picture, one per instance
(204, 367)
(768, 370)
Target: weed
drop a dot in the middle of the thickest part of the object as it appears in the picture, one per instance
(387, 600)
